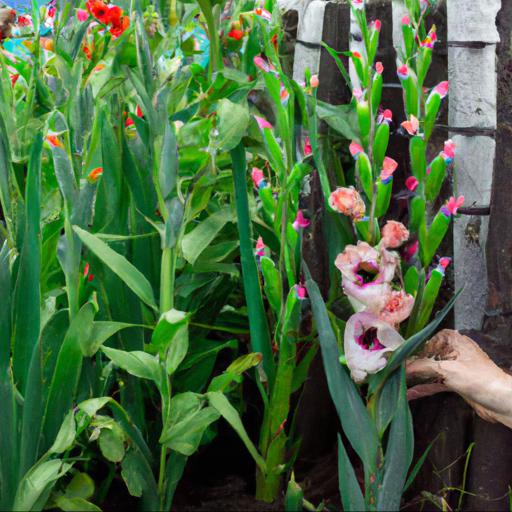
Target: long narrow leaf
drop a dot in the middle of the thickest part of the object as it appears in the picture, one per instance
(350, 492)
(258, 326)
(354, 417)
(134, 279)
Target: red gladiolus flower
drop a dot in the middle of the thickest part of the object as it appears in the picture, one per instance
(411, 183)
(236, 34)
(119, 22)
(54, 141)
(14, 78)
(23, 21)
(129, 122)
(139, 112)
(95, 174)
(379, 68)
(99, 10)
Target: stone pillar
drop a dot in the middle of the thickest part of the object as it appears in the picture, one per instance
(472, 39)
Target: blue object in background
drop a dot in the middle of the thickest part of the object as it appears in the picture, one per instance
(22, 5)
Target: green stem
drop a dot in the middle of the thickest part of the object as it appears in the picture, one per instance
(167, 278)
(161, 476)
(215, 59)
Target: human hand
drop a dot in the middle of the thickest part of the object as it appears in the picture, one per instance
(454, 362)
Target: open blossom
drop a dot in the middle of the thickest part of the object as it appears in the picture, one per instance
(394, 234)
(452, 206)
(398, 308)
(300, 221)
(367, 340)
(412, 125)
(388, 168)
(348, 202)
(258, 177)
(448, 153)
(367, 273)
(412, 183)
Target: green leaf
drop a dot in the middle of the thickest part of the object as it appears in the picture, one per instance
(38, 481)
(66, 375)
(354, 417)
(66, 436)
(230, 414)
(130, 471)
(27, 293)
(197, 240)
(81, 486)
(232, 123)
(75, 504)
(101, 332)
(136, 363)
(387, 402)
(272, 283)
(294, 496)
(341, 118)
(350, 492)
(399, 453)
(190, 417)
(111, 445)
(132, 277)
(258, 326)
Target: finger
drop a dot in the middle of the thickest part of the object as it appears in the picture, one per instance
(423, 369)
(423, 390)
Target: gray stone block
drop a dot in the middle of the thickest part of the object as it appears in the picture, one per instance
(472, 77)
(470, 20)
(473, 169)
(311, 24)
(305, 57)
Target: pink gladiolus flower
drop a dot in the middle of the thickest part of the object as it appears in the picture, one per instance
(448, 152)
(444, 262)
(403, 72)
(377, 25)
(411, 183)
(367, 340)
(355, 149)
(262, 64)
(406, 20)
(379, 68)
(385, 116)
(301, 292)
(348, 202)
(452, 206)
(398, 307)
(260, 247)
(441, 89)
(430, 40)
(82, 15)
(263, 13)
(308, 150)
(394, 234)
(314, 82)
(412, 126)
(388, 168)
(300, 221)
(258, 178)
(263, 123)
(366, 274)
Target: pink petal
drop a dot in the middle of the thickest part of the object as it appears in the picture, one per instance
(411, 183)
(263, 123)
